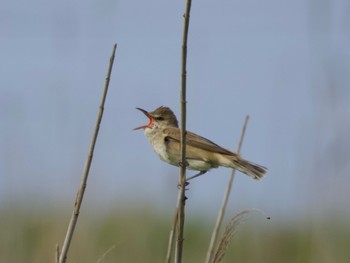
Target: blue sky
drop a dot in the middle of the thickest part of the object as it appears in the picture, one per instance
(285, 63)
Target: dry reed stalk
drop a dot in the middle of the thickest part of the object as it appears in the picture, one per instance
(182, 177)
(105, 254)
(57, 253)
(171, 238)
(222, 210)
(80, 195)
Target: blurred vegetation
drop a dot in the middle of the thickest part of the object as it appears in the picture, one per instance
(30, 235)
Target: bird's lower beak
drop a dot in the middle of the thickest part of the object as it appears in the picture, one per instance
(149, 117)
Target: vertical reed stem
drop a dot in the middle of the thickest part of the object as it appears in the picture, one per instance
(80, 195)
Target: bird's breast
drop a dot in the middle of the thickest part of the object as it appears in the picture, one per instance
(160, 148)
(156, 138)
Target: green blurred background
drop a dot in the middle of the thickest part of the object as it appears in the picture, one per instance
(141, 235)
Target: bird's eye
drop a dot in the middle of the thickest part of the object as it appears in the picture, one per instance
(160, 118)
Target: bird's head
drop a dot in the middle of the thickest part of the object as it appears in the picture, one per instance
(161, 117)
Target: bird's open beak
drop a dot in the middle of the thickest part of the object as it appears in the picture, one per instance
(149, 122)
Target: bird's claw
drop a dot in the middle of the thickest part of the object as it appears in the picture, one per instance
(186, 184)
(183, 165)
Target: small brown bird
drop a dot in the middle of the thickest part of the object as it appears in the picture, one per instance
(201, 154)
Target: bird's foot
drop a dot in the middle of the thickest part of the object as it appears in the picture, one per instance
(183, 164)
(186, 184)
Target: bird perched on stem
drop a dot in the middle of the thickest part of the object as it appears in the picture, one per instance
(201, 154)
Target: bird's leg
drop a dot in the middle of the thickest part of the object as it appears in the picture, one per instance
(196, 175)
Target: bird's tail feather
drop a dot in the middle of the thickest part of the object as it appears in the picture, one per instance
(251, 169)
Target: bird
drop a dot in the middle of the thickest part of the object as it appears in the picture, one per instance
(202, 154)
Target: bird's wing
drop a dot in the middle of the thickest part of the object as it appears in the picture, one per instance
(196, 141)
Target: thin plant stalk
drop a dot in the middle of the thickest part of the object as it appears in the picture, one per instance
(57, 253)
(171, 238)
(222, 210)
(182, 177)
(106, 253)
(80, 195)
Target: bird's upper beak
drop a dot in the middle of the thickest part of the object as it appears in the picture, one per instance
(149, 122)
